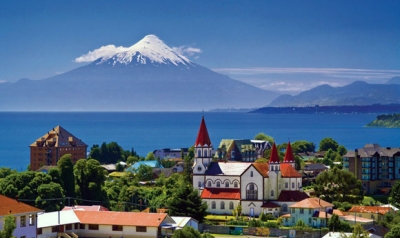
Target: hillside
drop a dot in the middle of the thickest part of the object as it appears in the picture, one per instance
(387, 120)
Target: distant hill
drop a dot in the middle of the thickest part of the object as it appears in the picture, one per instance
(390, 121)
(148, 76)
(394, 80)
(356, 93)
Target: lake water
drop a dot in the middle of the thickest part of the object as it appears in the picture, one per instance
(147, 131)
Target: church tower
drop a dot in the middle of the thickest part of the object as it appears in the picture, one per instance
(289, 158)
(274, 161)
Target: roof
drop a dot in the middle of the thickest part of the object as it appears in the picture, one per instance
(289, 172)
(339, 212)
(85, 208)
(227, 168)
(316, 166)
(312, 203)
(274, 158)
(351, 219)
(244, 145)
(121, 218)
(369, 150)
(291, 196)
(262, 168)
(166, 171)
(55, 218)
(221, 193)
(370, 209)
(46, 168)
(289, 158)
(270, 204)
(344, 234)
(322, 215)
(376, 229)
(151, 163)
(58, 137)
(13, 206)
(202, 137)
(182, 221)
(225, 144)
(109, 167)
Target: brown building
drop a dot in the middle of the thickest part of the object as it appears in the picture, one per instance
(49, 148)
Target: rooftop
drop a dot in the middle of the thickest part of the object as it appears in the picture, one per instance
(13, 206)
(227, 168)
(221, 193)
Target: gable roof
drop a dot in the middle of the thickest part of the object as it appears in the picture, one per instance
(58, 137)
(13, 206)
(262, 168)
(227, 168)
(289, 172)
(370, 209)
(291, 196)
(312, 203)
(202, 137)
(225, 144)
(274, 158)
(182, 221)
(289, 158)
(221, 193)
(121, 218)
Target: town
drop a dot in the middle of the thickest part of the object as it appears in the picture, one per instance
(243, 187)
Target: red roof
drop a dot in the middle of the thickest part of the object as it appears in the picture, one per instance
(289, 172)
(370, 209)
(270, 204)
(9, 205)
(274, 158)
(262, 168)
(120, 218)
(289, 158)
(221, 193)
(202, 137)
(292, 196)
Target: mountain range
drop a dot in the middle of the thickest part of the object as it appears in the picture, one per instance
(148, 76)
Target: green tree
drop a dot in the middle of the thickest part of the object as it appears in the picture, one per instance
(302, 146)
(46, 194)
(144, 173)
(394, 197)
(341, 150)
(339, 185)
(132, 159)
(262, 136)
(394, 232)
(187, 232)
(358, 232)
(4, 172)
(185, 201)
(150, 156)
(328, 143)
(334, 223)
(9, 227)
(66, 168)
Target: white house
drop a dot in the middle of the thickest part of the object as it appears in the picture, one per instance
(258, 187)
(181, 222)
(25, 216)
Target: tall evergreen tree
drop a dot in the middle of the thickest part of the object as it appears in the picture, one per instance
(66, 168)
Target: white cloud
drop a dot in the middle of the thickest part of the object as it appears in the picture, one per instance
(104, 51)
(187, 51)
(3, 81)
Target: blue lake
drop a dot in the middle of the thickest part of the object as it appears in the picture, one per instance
(147, 131)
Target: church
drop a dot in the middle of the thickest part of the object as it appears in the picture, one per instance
(258, 187)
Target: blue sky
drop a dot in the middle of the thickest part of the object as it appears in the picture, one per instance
(288, 46)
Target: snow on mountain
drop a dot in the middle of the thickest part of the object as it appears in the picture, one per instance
(148, 50)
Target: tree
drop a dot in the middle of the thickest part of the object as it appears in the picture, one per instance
(358, 232)
(302, 146)
(328, 143)
(9, 227)
(339, 185)
(394, 232)
(394, 197)
(144, 173)
(185, 201)
(262, 136)
(342, 150)
(187, 232)
(66, 168)
(334, 223)
(150, 156)
(4, 172)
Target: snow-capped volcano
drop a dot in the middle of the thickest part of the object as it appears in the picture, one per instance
(150, 49)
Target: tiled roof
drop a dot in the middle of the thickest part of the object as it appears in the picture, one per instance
(58, 137)
(316, 166)
(369, 150)
(121, 218)
(274, 158)
(262, 168)
(289, 172)
(370, 209)
(270, 204)
(14, 206)
(85, 208)
(221, 193)
(227, 168)
(202, 137)
(312, 203)
(289, 158)
(339, 213)
(291, 196)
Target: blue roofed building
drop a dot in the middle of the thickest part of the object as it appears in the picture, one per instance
(151, 163)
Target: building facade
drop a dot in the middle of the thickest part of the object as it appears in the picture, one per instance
(49, 148)
(377, 167)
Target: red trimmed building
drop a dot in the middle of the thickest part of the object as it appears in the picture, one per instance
(258, 187)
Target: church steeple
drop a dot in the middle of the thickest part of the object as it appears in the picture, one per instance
(202, 137)
(274, 162)
(202, 149)
(289, 157)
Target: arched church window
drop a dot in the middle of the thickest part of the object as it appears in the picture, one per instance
(199, 184)
(222, 205)
(226, 184)
(205, 153)
(218, 184)
(272, 193)
(235, 185)
(213, 205)
(198, 153)
(251, 191)
(231, 205)
(251, 173)
(209, 184)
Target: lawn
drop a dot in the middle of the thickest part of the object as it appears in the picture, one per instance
(375, 199)
(220, 217)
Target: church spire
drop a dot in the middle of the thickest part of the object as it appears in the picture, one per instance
(202, 137)
(289, 157)
(274, 158)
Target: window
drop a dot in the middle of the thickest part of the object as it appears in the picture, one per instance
(54, 229)
(301, 210)
(226, 184)
(293, 185)
(31, 219)
(198, 153)
(68, 227)
(199, 168)
(218, 184)
(213, 205)
(82, 226)
(76, 226)
(310, 211)
(141, 229)
(199, 184)
(39, 231)
(117, 228)
(286, 185)
(284, 208)
(93, 226)
(205, 153)
(235, 184)
(251, 173)
(23, 221)
(251, 191)
(209, 184)
(231, 205)
(309, 220)
(222, 205)
(272, 193)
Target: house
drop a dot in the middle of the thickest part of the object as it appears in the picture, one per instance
(377, 167)
(258, 187)
(241, 150)
(25, 216)
(315, 212)
(181, 222)
(151, 163)
(314, 169)
(85, 223)
(49, 148)
(168, 153)
(376, 213)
